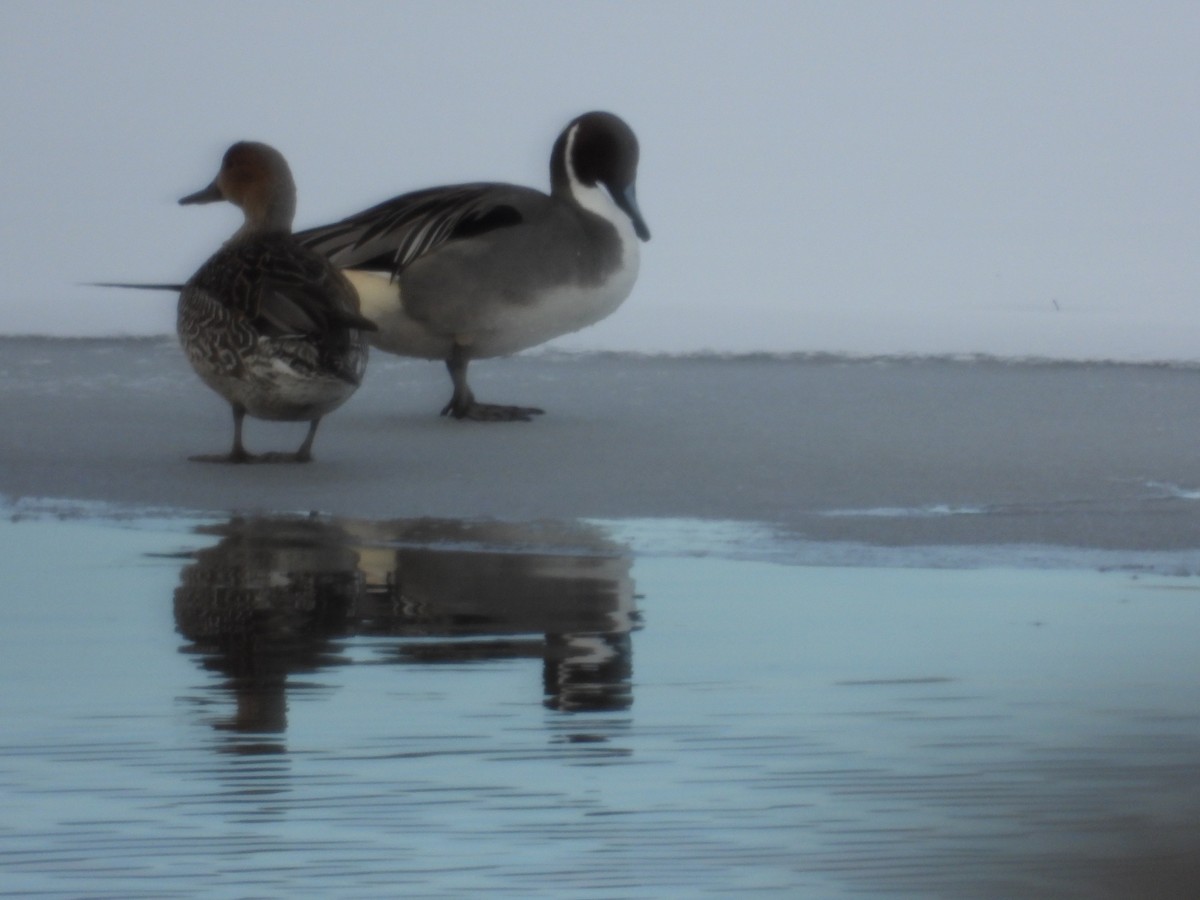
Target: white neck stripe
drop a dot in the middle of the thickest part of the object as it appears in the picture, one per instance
(597, 199)
(570, 154)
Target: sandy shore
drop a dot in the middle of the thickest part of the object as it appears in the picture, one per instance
(899, 453)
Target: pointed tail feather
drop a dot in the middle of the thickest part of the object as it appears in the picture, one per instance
(136, 285)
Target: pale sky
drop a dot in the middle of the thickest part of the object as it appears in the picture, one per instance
(1016, 178)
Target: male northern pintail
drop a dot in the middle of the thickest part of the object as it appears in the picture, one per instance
(478, 270)
(268, 324)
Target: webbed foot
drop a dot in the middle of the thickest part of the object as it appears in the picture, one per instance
(228, 458)
(298, 457)
(490, 412)
(243, 457)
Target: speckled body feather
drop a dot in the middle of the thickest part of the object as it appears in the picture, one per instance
(272, 327)
(268, 324)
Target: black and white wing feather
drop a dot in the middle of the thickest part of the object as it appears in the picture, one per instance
(390, 236)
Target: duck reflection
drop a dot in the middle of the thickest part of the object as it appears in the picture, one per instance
(278, 597)
(264, 604)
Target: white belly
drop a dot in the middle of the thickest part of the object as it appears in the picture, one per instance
(554, 314)
(497, 327)
(270, 389)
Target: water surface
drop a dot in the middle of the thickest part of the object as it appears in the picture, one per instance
(305, 706)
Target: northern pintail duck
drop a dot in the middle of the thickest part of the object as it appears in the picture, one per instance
(472, 271)
(268, 324)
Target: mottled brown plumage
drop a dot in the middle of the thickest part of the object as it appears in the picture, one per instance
(268, 324)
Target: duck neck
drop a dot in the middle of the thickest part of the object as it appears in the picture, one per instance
(272, 215)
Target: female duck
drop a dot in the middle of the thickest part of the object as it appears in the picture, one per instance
(268, 324)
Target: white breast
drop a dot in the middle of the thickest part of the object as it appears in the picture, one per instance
(505, 327)
(557, 312)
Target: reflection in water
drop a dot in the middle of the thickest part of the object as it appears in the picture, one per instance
(275, 596)
(801, 731)
(263, 604)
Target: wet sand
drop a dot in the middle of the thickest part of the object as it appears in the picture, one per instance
(497, 666)
(932, 452)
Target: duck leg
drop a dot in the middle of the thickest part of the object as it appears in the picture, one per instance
(303, 455)
(237, 453)
(463, 405)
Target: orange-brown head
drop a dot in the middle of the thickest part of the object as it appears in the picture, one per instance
(256, 178)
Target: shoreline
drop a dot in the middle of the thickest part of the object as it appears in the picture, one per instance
(640, 539)
(857, 460)
(831, 357)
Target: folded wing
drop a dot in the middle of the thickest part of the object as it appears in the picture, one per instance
(388, 237)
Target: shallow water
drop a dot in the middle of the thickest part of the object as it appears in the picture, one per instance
(431, 708)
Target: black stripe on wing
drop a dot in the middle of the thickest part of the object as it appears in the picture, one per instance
(389, 236)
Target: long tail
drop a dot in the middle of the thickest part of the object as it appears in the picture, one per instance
(139, 286)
